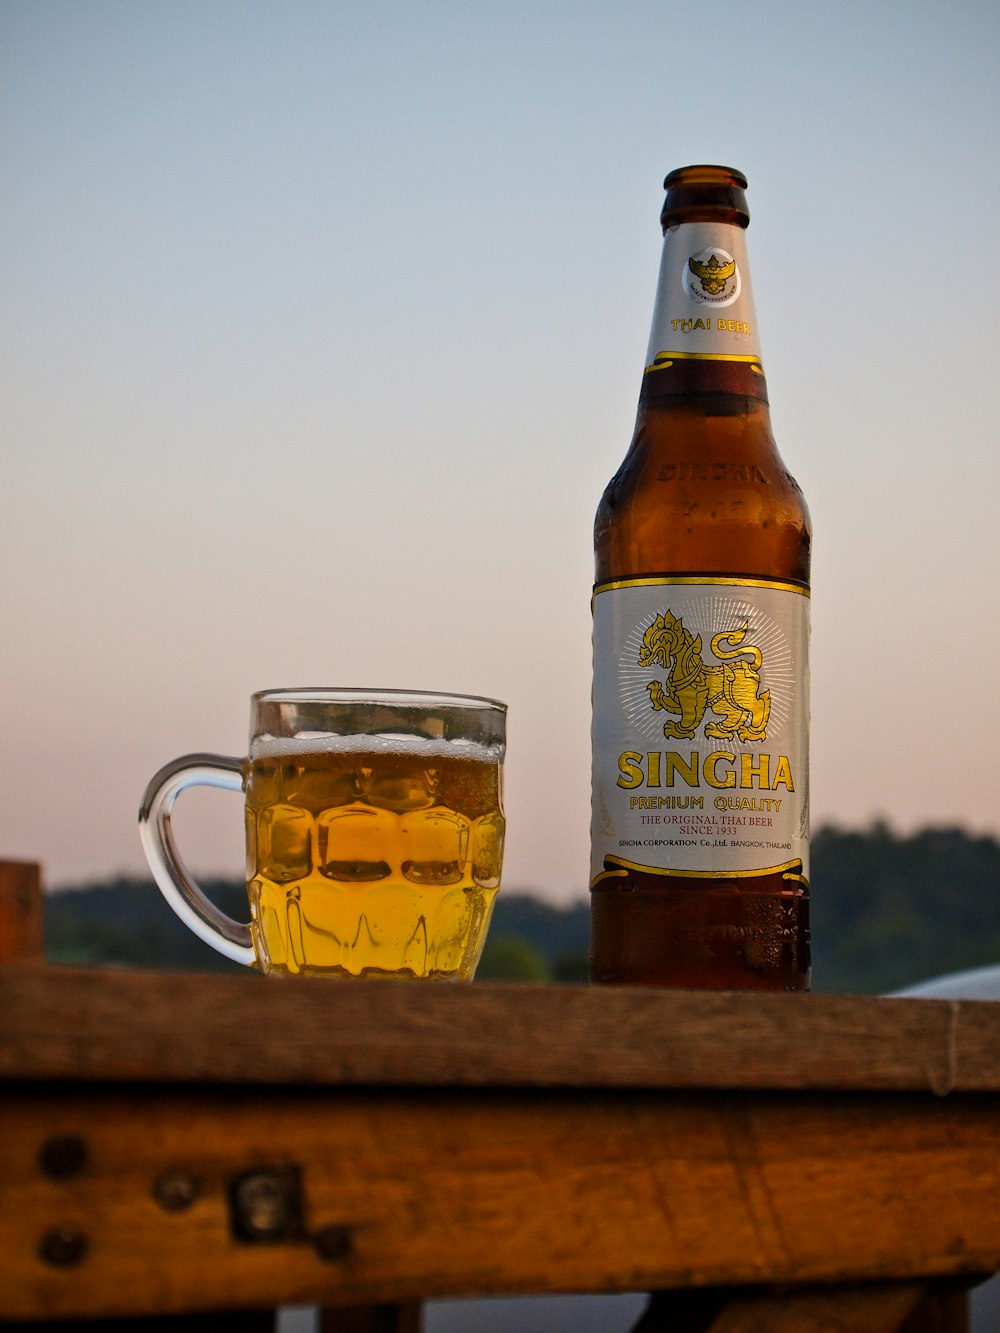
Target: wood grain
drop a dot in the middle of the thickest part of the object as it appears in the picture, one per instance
(95, 1024)
(410, 1194)
(21, 935)
(457, 1140)
(880, 1308)
(875, 1307)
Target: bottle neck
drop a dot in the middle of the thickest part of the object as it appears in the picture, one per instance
(704, 333)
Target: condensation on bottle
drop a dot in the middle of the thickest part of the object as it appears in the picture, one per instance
(700, 806)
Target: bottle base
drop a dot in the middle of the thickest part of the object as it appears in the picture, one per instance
(701, 935)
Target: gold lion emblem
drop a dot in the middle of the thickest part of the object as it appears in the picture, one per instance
(714, 275)
(730, 689)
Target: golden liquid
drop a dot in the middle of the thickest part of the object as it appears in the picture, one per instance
(373, 863)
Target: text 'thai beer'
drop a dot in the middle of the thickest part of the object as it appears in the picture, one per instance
(700, 814)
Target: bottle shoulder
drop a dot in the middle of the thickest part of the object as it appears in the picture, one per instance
(703, 490)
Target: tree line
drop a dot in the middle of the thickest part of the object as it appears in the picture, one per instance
(888, 910)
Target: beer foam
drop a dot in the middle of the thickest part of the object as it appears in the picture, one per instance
(424, 747)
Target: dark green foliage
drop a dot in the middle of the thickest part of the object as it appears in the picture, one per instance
(560, 934)
(127, 922)
(887, 911)
(512, 958)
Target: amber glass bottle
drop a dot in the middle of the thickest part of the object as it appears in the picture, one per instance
(700, 818)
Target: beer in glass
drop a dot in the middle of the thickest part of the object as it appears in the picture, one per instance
(374, 833)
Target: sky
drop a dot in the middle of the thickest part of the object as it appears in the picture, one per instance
(321, 332)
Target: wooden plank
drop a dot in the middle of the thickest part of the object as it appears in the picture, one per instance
(395, 1318)
(91, 1024)
(878, 1307)
(943, 1309)
(21, 935)
(422, 1193)
(215, 1321)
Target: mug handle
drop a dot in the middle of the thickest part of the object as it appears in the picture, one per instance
(198, 913)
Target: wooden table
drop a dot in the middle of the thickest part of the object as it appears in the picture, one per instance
(179, 1143)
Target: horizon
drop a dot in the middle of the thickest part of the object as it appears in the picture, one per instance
(875, 828)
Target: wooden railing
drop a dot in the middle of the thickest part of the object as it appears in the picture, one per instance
(172, 1144)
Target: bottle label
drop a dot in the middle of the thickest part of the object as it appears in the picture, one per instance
(704, 305)
(700, 728)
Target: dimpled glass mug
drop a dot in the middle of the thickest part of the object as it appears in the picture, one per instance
(374, 833)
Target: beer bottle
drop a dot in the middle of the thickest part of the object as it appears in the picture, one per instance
(700, 813)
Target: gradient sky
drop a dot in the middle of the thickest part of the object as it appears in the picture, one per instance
(322, 329)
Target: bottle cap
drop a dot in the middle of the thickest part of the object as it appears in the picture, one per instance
(705, 193)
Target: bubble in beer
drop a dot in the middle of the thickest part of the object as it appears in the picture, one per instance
(369, 860)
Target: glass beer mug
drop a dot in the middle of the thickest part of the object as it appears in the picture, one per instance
(374, 833)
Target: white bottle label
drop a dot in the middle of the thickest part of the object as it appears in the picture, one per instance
(700, 730)
(704, 305)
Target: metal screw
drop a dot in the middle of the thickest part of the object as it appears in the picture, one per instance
(63, 1156)
(266, 1205)
(63, 1248)
(334, 1242)
(176, 1191)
